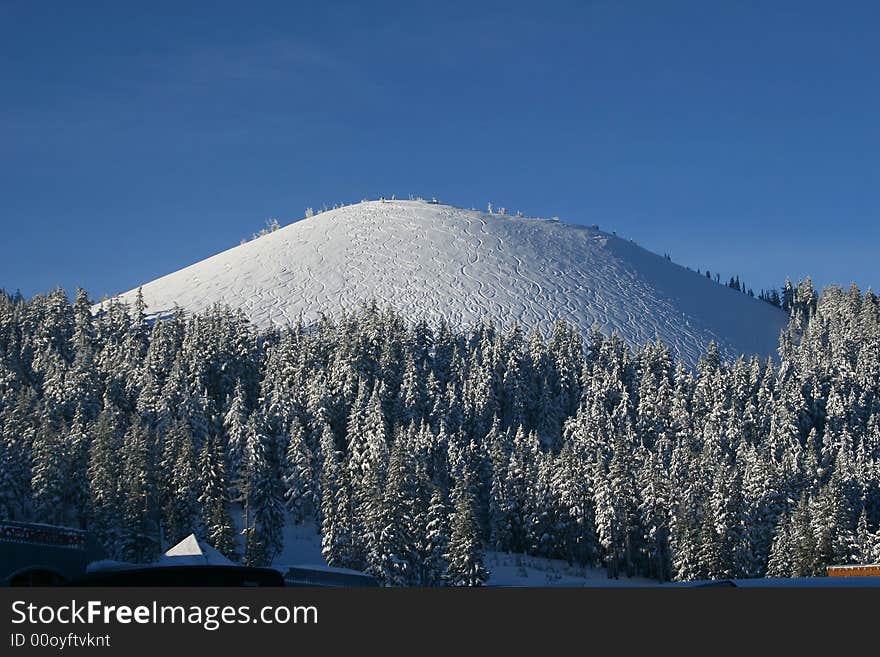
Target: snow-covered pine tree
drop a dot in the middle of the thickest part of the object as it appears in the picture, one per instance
(139, 536)
(654, 504)
(336, 509)
(802, 433)
(7, 502)
(392, 557)
(265, 497)
(437, 534)
(180, 477)
(781, 562)
(214, 498)
(298, 476)
(367, 469)
(48, 472)
(465, 557)
(235, 429)
(541, 512)
(106, 503)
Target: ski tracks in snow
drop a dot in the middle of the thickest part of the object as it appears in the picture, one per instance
(435, 261)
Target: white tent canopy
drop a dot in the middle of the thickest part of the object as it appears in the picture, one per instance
(193, 552)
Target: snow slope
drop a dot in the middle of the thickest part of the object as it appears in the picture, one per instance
(302, 548)
(435, 261)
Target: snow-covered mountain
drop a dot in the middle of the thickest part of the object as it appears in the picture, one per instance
(432, 261)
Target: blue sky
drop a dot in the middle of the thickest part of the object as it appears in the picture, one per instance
(138, 138)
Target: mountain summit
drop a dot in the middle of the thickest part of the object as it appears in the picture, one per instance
(435, 261)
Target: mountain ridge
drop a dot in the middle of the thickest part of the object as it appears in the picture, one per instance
(434, 261)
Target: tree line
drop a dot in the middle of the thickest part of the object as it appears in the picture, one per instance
(414, 448)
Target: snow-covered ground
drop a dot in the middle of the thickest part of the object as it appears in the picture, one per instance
(302, 548)
(302, 542)
(507, 569)
(436, 261)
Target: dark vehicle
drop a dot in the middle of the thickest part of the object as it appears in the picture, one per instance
(717, 582)
(337, 577)
(183, 576)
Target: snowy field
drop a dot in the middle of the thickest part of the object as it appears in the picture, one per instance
(436, 261)
(507, 569)
(302, 547)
